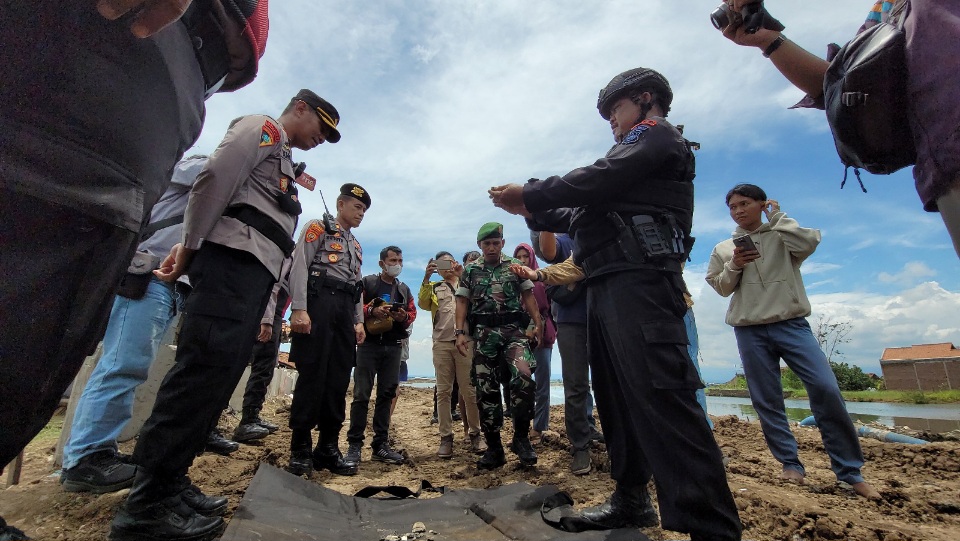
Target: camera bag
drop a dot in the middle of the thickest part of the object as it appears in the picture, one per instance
(865, 97)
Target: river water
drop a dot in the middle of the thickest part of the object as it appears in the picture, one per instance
(932, 417)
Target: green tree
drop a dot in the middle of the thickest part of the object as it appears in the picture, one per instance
(851, 378)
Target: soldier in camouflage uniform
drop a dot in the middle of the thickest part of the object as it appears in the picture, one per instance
(493, 300)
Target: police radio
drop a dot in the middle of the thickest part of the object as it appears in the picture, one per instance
(329, 224)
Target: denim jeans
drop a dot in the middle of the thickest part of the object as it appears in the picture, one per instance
(761, 348)
(541, 399)
(380, 362)
(693, 348)
(130, 344)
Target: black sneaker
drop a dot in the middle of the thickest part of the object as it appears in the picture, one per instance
(99, 473)
(9, 533)
(387, 455)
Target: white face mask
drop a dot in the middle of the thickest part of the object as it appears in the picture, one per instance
(393, 270)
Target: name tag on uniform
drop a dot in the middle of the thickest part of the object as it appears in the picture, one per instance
(306, 181)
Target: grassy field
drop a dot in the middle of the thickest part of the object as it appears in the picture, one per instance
(903, 397)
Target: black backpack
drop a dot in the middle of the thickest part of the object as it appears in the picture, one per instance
(865, 96)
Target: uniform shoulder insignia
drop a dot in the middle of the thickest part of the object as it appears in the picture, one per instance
(634, 134)
(269, 134)
(314, 232)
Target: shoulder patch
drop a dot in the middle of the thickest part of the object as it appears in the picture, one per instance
(269, 134)
(648, 122)
(634, 135)
(314, 232)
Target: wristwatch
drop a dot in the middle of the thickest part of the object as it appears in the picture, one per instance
(458, 332)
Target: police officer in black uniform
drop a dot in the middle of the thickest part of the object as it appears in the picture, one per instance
(95, 113)
(327, 324)
(630, 214)
(237, 232)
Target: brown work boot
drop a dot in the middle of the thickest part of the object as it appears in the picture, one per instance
(446, 447)
(477, 445)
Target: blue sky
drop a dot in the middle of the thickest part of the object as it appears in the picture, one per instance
(441, 100)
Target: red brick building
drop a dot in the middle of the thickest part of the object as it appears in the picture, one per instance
(924, 367)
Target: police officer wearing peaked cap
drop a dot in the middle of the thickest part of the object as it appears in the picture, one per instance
(327, 324)
(630, 214)
(327, 113)
(237, 232)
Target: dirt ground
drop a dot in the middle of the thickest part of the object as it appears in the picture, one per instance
(920, 484)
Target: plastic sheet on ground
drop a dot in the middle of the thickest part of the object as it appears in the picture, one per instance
(279, 506)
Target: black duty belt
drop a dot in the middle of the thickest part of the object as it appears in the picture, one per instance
(496, 320)
(264, 224)
(649, 242)
(318, 279)
(209, 46)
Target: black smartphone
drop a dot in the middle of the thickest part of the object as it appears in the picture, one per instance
(744, 243)
(396, 306)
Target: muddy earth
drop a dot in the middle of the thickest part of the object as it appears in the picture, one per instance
(920, 484)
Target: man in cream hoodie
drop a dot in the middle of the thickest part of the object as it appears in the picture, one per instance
(768, 313)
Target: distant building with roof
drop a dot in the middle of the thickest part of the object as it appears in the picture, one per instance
(923, 367)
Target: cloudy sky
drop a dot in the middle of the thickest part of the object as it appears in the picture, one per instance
(441, 100)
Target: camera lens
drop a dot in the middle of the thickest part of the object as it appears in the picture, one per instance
(720, 17)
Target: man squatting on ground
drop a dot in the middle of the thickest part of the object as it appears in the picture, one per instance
(327, 325)
(768, 314)
(79, 174)
(630, 214)
(492, 300)
(236, 234)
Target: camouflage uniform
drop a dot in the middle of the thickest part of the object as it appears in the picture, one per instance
(497, 322)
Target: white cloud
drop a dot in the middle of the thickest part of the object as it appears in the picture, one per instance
(912, 273)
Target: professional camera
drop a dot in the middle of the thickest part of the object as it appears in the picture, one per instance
(753, 17)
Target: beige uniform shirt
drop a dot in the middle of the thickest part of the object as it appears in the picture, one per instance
(338, 253)
(252, 166)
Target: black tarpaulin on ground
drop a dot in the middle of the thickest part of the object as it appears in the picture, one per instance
(279, 506)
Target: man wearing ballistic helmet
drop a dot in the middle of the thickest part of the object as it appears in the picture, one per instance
(630, 215)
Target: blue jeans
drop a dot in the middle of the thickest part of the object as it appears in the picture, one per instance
(693, 348)
(541, 397)
(761, 348)
(130, 344)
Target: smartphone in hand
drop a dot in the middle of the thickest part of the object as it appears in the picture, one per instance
(444, 264)
(397, 306)
(745, 243)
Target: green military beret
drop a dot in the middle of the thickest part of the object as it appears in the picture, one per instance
(490, 230)
(354, 190)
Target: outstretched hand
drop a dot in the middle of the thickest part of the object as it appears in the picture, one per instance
(523, 272)
(152, 15)
(509, 197)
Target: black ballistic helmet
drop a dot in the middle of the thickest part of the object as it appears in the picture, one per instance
(638, 79)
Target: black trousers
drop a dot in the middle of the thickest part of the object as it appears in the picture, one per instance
(645, 384)
(380, 362)
(221, 321)
(324, 359)
(264, 360)
(58, 274)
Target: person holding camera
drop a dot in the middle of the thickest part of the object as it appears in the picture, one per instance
(388, 311)
(326, 324)
(760, 267)
(449, 363)
(932, 30)
(644, 378)
(497, 304)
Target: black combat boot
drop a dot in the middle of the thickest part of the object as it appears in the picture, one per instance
(216, 443)
(301, 459)
(521, 443)
(493, 457)
(208, 506)
(629, 506)
(327, 456)
(155, 512)
(249, 430)
(252, 415)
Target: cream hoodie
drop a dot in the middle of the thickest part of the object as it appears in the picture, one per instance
(770, 288)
